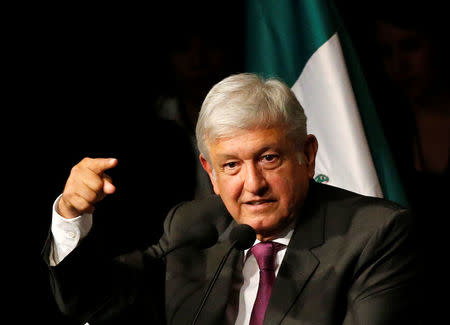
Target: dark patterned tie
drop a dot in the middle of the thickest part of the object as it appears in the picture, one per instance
(265, 256)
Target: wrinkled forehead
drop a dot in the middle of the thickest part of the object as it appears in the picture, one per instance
(251, 142)
(227, 132)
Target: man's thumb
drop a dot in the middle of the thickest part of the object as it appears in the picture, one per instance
(108, 187)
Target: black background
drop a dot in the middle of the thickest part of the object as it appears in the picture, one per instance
(81, 81)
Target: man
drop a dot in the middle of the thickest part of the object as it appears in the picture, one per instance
(338, 257)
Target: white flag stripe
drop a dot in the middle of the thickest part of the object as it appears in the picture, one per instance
(324, 90)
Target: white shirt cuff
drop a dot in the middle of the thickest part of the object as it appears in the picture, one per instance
(67, 233)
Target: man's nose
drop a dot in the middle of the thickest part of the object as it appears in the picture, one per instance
(254, 180)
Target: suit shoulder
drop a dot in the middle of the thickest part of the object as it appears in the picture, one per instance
(349, 199)
(200, 208)
(209, 209)
(359, 211)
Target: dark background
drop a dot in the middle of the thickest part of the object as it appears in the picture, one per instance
(84, 80)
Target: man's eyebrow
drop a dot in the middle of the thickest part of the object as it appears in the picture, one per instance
(226, 156)
(269, 147)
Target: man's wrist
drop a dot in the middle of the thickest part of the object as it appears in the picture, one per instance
(67, 233)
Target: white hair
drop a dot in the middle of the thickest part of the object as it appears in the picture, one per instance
(247, 101)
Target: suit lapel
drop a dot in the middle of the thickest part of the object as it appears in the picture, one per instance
(299, 262)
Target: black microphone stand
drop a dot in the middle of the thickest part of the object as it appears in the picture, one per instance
(213, 281)
(242, 237)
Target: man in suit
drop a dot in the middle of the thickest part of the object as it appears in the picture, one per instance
(330, 256)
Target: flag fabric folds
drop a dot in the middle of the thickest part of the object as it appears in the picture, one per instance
(304, 43)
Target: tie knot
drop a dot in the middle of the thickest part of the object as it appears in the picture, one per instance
(265, 254)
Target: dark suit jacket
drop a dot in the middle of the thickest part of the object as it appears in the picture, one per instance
(351, 260)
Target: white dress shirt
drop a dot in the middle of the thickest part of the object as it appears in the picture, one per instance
(250, 272)
(67, 234)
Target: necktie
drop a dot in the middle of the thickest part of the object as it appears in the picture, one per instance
(265, 257)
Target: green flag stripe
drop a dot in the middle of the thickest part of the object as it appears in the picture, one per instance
(271, 51)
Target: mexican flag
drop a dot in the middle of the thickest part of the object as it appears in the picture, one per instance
(304, 43)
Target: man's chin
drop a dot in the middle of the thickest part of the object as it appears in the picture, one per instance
(263, 225)
(266, 226)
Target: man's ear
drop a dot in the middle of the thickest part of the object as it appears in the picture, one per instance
(310, 151)
(209, 169)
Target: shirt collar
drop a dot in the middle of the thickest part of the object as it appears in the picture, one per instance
(284, 237)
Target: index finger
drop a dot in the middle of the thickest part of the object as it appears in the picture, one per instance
(99, 165)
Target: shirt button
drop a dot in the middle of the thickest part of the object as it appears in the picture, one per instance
(71, 234)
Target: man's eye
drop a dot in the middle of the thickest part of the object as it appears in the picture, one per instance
(270, 158)
(230, 165)
(270, 161)
(231, 168)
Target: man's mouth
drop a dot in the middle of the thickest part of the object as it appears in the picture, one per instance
(259, 202)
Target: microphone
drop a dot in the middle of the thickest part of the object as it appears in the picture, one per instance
(242, 237)
(199, 235)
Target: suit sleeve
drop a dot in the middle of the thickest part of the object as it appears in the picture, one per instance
(387, 283)
(90, 285)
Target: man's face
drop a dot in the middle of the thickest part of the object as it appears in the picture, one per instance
(258, 176)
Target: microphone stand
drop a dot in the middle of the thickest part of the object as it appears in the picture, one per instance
(212, 282)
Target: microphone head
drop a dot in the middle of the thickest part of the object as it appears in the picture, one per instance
(243, 236)
(201, 235)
